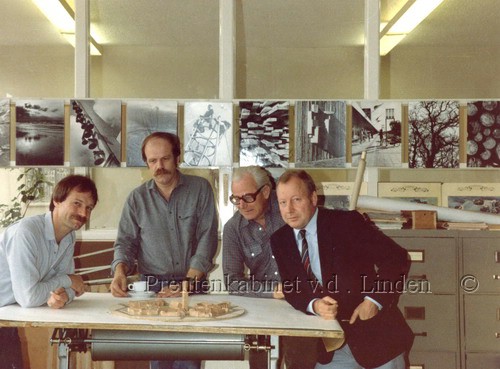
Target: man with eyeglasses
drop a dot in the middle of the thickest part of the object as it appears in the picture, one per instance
(246, 243)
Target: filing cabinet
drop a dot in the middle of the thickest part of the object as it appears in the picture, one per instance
(453, 306)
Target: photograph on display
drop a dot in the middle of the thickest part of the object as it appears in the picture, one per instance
(480, 197)
(483, 134)
(376, 129)
(320, 133)
(264, 133)
(337, 195)
(143, 118)
(208, 134)
(433, 134)
(4, 132)
(40, 132)
(421, 193)
(95, 133)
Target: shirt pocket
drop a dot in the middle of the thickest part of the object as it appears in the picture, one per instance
(187, 221)
(253, 251)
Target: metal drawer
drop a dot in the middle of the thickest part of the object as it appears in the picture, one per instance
(482, 260)
(433, 360)
(482, 323)
(482, 361)
(434, 261)
(433, 319)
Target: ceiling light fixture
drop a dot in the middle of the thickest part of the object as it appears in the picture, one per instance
(405, 21)
(60, 14)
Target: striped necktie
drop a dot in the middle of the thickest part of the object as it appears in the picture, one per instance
(305, 256)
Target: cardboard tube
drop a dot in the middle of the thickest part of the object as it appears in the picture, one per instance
(359, 180)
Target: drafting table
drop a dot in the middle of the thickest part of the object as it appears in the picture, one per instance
(88, 322)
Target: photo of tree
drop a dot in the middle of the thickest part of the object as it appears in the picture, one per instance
(4, 132)
(433, 134)
(483, 134)
(264, 133)
(143, 118)
(320, 133)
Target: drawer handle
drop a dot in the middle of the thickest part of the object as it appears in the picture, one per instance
(497, 335)
(422, 334)
(496, 277)
(424, 277)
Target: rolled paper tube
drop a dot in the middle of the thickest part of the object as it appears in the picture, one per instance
(357, 183)
(444, 214)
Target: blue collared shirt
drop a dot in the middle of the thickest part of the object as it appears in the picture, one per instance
(32, 264)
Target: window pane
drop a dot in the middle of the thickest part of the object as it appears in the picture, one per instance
(454, 53)
(155, 48)
(35, 60)
(299, 49)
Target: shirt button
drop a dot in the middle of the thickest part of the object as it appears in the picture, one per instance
(253, 254)
(275, 273)
(272, 256)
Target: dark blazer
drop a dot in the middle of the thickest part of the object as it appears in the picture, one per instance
(357, 260)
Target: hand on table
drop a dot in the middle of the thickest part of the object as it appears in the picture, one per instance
(58, 298)
(326, 308)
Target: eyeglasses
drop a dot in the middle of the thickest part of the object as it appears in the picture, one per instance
(248, 197)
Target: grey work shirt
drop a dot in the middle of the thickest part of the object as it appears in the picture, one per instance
(247, 243)
(168, 237)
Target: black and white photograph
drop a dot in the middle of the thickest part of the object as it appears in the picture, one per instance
(95, 133)
(376, 129)
(483, 134)
(40, 132)
(4, 132)
(264, 133)
(320, 134)
(433, 134)
(143, 118)
(208, 134)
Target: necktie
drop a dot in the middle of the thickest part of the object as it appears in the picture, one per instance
(305, 256)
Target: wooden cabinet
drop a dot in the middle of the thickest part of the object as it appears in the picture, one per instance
(452, 302)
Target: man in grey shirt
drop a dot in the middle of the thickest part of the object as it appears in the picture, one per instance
(168, 226)
(36, 257)
(246, 243)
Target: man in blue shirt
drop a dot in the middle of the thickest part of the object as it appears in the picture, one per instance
(36, 257)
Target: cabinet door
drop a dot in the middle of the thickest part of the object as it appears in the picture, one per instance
(482, 323)
(434, 262)
(482, 361)
(433, 319)
(482, 260)
(433, 360)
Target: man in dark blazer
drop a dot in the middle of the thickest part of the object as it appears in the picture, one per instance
(358, 275)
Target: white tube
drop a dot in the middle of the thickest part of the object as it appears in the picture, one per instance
(357, 183)
(443, 214)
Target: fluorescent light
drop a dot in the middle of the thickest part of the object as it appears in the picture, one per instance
(405, 21)
(60, 14)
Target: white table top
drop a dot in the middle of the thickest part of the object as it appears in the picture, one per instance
(93, 311)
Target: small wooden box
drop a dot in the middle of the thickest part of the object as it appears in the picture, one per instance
(423, 219)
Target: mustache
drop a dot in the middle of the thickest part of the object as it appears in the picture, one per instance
(162, 171)
(80, 218)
